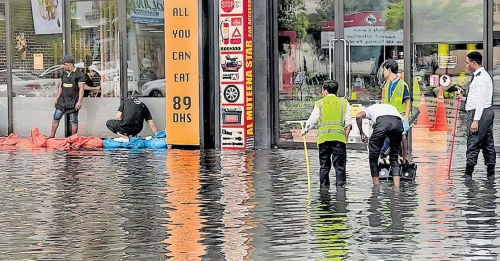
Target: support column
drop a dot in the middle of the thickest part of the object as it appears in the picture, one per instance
(263, 112)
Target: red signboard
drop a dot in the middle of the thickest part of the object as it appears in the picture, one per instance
(236, 74)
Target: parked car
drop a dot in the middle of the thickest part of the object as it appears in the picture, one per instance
(26, 84)
(154, 88)
(110, 84)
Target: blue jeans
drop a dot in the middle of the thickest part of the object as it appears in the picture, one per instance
(73, 117)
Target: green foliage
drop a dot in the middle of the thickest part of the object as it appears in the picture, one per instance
(292, 17)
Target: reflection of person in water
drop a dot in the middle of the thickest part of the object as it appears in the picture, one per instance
(331, 222)
(92, 83)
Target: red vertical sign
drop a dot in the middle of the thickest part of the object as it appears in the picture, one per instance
(236, 74)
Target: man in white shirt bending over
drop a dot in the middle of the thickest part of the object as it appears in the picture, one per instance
(387, 123)
(480, 117)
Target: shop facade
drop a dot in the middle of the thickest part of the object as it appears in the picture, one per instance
(230, 73)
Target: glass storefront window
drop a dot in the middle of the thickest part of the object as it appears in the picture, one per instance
(443, 35)
(306, 28)
(146, 55)
(496, 52)
(38, 45)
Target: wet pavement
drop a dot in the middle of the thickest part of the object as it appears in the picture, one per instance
(211, 205)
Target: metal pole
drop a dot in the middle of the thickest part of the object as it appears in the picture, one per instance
(339, 59)
(10, 55)
(408, 55)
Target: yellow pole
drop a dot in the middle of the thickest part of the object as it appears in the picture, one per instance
(307, 159)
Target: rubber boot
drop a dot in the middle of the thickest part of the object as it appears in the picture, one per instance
(468, 172)
(490, 171)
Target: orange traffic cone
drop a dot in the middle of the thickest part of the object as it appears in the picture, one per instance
(423, 118)
(383, 95)
(440, 122)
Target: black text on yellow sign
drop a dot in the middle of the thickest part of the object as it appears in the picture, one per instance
(181, 73)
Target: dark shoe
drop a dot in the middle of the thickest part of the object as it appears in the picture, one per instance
(342, 185)
(467, 177)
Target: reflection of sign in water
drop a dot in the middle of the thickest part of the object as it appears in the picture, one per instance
(148, 12)
(449, 62)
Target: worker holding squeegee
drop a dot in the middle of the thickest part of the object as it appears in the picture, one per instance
(397, 94)
(333, 116)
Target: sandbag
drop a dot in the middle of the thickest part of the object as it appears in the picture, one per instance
(11, 140)
(57, 143)
(156, 143)
(93, 143)
(37, 140)
(110, 143)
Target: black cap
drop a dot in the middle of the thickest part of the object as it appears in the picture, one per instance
(67, 59)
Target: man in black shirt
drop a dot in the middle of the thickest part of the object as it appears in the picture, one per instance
(69, 95)
(129, 119)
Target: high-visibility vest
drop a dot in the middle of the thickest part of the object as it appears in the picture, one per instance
(397, 95)
(331, 125)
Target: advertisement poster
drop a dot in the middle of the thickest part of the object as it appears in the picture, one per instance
(236, 74)
(47, 16)
(182, 85)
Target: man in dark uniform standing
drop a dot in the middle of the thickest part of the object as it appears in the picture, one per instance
(69, 95)
(480, 117)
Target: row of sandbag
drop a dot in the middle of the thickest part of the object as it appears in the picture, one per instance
(37, 140)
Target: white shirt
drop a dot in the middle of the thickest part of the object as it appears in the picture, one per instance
(480, 93)
(376, 110)
(316, 113)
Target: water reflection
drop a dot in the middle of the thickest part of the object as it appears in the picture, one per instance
(212, 205)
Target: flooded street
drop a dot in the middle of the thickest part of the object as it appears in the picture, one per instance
(211, 205)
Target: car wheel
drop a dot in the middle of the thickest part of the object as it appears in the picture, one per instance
(231, 93)
(155, 93)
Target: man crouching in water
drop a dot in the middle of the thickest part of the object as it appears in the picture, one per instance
(130, 118)
(387, 124)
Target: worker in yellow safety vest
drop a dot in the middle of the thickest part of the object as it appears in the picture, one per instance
(333, 117)
(397, 94)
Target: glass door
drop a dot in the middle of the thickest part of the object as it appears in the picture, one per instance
(3, 69)
(95, 43)
(442, 39)
(374, 30)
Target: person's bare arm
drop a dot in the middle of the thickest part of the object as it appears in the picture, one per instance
(81, 86)
(152, 126)
(59, 92)
(359, 120)
(119, 115)
(408, 109)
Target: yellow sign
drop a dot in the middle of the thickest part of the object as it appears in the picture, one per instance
(181, 77)
(38, 61)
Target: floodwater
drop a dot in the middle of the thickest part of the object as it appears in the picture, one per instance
(211, 205)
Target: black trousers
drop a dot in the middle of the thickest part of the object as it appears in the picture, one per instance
(481, 140)
(332, 152)
(386, 127)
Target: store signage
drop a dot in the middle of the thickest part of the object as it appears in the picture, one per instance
(148, 11)
(182, 74)
(236, 74)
